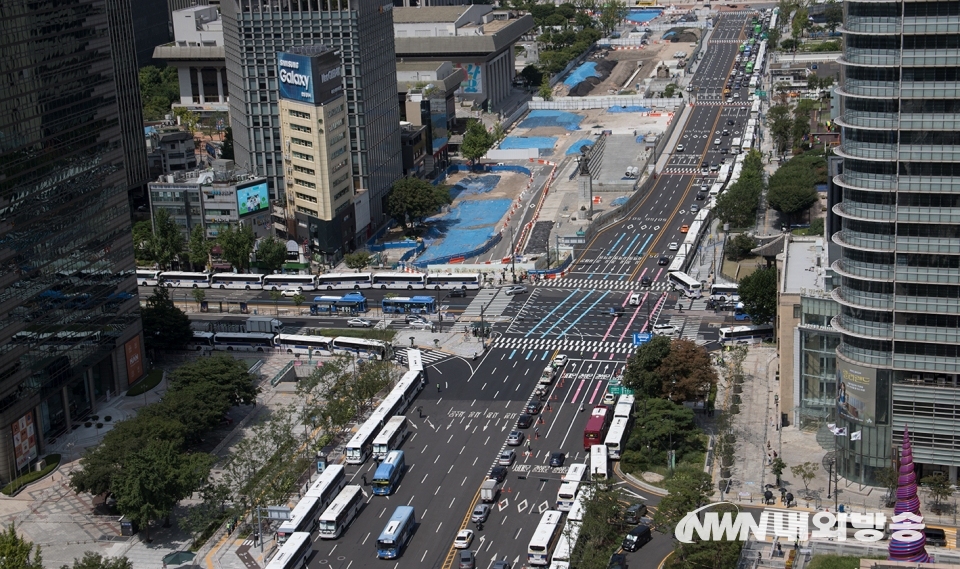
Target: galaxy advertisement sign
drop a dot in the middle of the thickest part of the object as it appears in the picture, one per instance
(315, 79)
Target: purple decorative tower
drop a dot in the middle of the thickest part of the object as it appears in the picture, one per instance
(908, 502)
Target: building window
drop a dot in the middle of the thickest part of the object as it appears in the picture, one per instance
(302, 142)
(336, 110)
(303, 156)
(300, 128)
(305, 197)
(341, 179)
(337, 138)
(303, 170)
(796, 311)
(307, 211)
(338, 152)
(299, 115)
(341, 193)
(304, 183)
(336, 125)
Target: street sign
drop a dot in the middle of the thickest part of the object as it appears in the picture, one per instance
(641, 338)
(572, 240)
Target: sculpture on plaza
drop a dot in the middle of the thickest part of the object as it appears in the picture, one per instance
(907, 502)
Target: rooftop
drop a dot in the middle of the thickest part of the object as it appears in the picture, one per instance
(428, 14)
(802, 269)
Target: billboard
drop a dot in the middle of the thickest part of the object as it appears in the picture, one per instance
(131, 351)
(251, 199)
(313, 78)
(856, 392)
(24, 440)
(473, 83)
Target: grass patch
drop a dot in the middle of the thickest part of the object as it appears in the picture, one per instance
(53, 461)
(146, 384)
(738, 269)
(693, 460)
(837, 562)
(370, 334)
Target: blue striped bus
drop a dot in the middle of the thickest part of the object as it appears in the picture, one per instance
(388, 474)
(396, 534)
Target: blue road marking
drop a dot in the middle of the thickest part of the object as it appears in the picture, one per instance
(529, 354)
(513, 353)
(644, 246)
(626, 250)
(556, 308)
(585, 312)
(544, 335)
(545, 354)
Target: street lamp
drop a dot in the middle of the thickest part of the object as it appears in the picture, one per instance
(513, 256)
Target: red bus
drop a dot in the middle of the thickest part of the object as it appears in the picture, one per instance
(596, 429)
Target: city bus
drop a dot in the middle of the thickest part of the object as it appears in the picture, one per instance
(745, 334)
(332, 281)
(544, 538)
(350, 303)
(286, 282)
(624, 408)
(576, 473)
(464, 281)
(360, 446)
(201, 341)
(740, 313)
(303, 518)
(397, 533)
(240, 281)
(683, 282)
(294, 554)
(176, 279)
(616, 438)
(599, 462)
(148, 277)
(749, 69)
(724, 293)
(596, 427)
(361, 346)
(328, 485)
(345, 507)
(414, 360)
(567, 542)
(409, 305)
(305, 345)
(580, 506)
(243, 341)
(407, 281)
(388, 474)
(570, 486)
(390, 437)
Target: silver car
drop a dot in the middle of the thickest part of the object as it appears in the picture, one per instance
(515, 289)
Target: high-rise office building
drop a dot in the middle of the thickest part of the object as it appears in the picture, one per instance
(898, 362)
(362, 31)
(70, 331)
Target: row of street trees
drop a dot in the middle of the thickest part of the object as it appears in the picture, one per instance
(163, 241)
(738, 204)
(18, 553)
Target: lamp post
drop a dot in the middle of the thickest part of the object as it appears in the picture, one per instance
(513, 256)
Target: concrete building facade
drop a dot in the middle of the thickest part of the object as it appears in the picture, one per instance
(427, 91)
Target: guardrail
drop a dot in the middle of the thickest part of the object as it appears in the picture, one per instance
(280, 374)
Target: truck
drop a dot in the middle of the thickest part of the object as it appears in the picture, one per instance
(735, 145)
(546, 378)
(488, 491)
(263, 324)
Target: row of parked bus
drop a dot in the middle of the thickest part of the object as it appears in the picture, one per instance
(380, 436)
(290, 344)
(306, 283)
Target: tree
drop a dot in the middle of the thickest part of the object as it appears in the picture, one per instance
(661, 427)
(93, 560)
(777, 467)
(834, 16)
(641, 371)
(791, 199)
(687, 372)
(780, 124)
(159, 89)
(939, 488)
(739, 247)
(298, 300)
(155, 478)
(219, 373)
(142, 234)
(188, 119)
(476, 141)
(236, 244)
(688, 488)
(546, 91)
(708, 554)
(800, 22)
(888, 478)
(165, 327)
(18, 553)
(167, 240)
(271, 254)
(806, 472)
(357, 260)
(198, 248)
(226, 149)
(275, 296)
(199, 295)
(600, 527)
(412, 199)
(758, 293)
(612, 12)
(531, 75)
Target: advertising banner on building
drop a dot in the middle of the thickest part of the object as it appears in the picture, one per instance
(310, 78)
(24, 440)
(856, 392)
(252, 198)
(134, 360)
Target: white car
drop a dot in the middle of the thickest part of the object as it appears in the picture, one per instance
(664, 329)
(679, 148)
(291, 292)
(420, 325)
(673, 246)
(559, 361)
(464, 539)
(359, 323)
(609, 399)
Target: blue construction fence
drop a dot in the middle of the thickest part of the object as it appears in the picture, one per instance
(479, 168)
(420, 248)
(554, 271)
(478, 251)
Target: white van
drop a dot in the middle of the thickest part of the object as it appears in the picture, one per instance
(635, 299)
(735, 145)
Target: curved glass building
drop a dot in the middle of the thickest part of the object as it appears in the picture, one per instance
(899, 268)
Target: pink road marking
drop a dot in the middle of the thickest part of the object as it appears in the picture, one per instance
(577, 392)
(613, 322)
(632, 318)
(595, 391)
(660, 272)
(644, 272)
(655, 306)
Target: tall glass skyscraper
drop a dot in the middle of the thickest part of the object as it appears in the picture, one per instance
(362, 30)
(71, 145)
(898, 362)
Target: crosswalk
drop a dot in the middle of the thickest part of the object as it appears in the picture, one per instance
(689, 326)
(566, 345)
(429, 357)
(683, 171)
(490, 302)
(599, 284)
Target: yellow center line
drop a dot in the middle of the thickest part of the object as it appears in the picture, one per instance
(452, 551)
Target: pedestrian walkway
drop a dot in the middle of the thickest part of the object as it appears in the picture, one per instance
(428, 357)
(601, 284)
(490, 303)
(565, 344)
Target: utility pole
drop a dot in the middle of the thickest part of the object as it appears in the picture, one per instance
(513, 256)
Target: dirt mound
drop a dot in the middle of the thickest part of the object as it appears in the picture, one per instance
(583, 88)
(682, 35)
